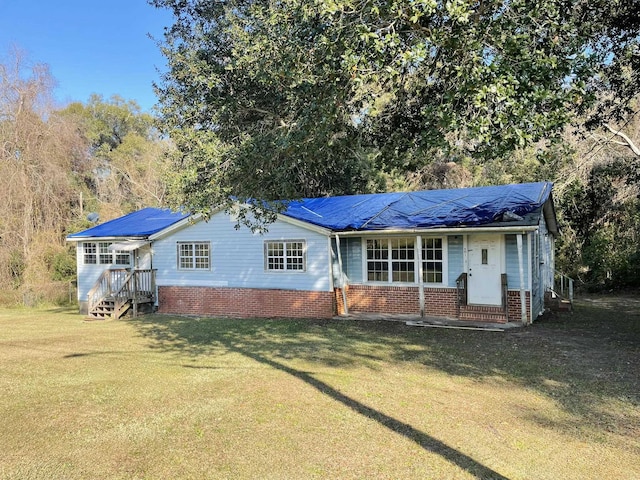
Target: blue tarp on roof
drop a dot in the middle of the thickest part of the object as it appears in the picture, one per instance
(425, 209)
(380, 211)
(142, 223)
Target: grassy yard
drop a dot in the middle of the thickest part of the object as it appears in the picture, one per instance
(170, 397)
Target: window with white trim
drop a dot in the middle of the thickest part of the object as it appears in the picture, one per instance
(432, 260)
(285, 255)
(89, 250)
(99, 253)
(395, 255)
(194, 255)
(393, 260)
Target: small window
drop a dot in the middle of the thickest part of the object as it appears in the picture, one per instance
(286, 255)
(377, 260)
(432, 260)
(105, 256)
(194, 256)
(122, 257)
(90, 253)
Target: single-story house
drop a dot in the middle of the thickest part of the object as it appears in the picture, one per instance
(482, 253)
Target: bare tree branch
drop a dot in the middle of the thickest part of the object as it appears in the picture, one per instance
(627, 141)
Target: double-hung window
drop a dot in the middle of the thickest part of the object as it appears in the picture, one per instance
(432, 260)
(89, 250)
(391, 260)
(285, 255)
(194, 255)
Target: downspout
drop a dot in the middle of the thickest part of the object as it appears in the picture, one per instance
(343, 282)
(523, 300)
(420, 274)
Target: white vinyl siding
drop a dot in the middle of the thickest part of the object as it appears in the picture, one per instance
(238, 257)
(88, 267)
(512, 264)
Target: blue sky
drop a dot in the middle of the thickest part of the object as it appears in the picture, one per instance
(91, 46)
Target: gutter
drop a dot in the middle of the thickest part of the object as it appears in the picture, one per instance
(455, 230)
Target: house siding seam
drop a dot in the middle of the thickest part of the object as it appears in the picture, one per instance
(245, 302)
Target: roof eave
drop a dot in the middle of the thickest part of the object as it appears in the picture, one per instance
(107, 238)
(438, 230)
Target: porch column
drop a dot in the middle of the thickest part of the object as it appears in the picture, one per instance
(342, 277)
(523, 299)
(420, 274)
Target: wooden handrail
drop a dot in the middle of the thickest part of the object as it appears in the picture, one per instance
(505, 294)
(104, 286)
(461, 291)
(563, 285)
(123, 285)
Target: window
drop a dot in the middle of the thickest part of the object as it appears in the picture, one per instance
(394, 260)
(395, 255)
(194, 256)
(285, 255)
(90, 250)
(99, 253)
(105, 256)
(377, 261)
(403, 259)
(122, 257)
(432, 260)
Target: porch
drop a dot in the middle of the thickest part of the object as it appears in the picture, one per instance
(431, 321)
(122, 291)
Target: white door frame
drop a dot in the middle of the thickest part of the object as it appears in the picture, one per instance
(491, 292)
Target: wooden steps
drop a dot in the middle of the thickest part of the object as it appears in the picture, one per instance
(119, 291)
(556, 303)
(110, 308)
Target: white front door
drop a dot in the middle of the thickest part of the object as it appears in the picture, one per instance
(485, 267)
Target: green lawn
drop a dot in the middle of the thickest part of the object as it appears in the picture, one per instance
(173, 397)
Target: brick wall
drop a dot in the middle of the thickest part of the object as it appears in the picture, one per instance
(513, 300)
(439, 302)
(248, 302)
(245, 302)
(379, 299)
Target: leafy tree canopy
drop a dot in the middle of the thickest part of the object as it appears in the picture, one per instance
(297, 98)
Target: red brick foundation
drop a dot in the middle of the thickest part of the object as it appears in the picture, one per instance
(248, 302)
(245, 302)
(379, 299)
(439, 302)
(513, 300)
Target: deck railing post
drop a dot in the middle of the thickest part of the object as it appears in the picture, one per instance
(134, 295)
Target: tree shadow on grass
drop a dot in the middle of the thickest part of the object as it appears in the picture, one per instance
(581, 362)
(249, 338)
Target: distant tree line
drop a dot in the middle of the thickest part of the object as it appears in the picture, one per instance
(57, 166)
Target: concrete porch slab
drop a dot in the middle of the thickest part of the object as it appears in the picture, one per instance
(432, 322)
